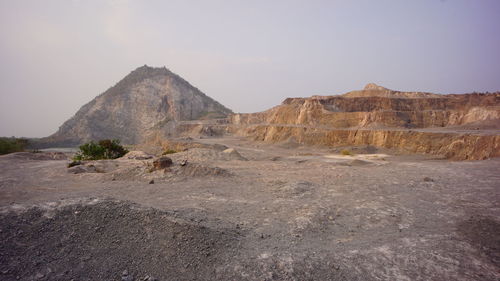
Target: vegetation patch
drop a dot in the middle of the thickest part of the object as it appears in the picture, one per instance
(346, 152)
(104, 149)
(169, 151)
(10, 145)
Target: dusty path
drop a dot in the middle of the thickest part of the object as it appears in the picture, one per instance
(300, 213)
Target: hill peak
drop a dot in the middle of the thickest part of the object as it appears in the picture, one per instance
(373, 86)
(146, 70)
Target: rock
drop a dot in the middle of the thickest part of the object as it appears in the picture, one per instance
(297, 189)
(151, 181)
(80, 169)
(137, 155)
(162, 163)
(128, 278)
(200, 170)
(229, 151)
(358, 162)
(219, 147)
(57, 155)
(234, 154)
(427, 179)
(74, 163)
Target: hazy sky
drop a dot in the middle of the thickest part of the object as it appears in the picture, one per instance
(56, 56)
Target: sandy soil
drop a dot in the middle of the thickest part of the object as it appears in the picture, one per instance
(279, 212)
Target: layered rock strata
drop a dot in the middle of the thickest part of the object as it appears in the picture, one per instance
(456, 126)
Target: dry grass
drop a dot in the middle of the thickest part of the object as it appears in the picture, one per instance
(346, 152)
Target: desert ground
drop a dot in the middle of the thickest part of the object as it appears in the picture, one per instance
(258, 212)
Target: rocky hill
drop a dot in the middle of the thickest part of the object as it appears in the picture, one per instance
(457, 126)
(148, 101)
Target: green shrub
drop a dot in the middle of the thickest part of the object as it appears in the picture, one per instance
(112, 149)
(9, 145)
(346, 152)
(169, 151)
(104, 149)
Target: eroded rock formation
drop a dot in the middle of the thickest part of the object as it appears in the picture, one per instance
(457, 126)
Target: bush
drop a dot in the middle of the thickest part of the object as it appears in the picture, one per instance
(104, 149)
(346, 152)
(9, 145)
(169, 151)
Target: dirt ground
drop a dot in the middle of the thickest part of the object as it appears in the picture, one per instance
(270, 212)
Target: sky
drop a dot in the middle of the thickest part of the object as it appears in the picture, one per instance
(57, 55)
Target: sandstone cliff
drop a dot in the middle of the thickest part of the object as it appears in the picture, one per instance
(457, 126)
(380, 109)
(147, 101)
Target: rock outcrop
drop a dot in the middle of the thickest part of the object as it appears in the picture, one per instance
(147, 101)
(380, 109)
(456, 126)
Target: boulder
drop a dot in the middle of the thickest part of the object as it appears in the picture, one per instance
(137, 155)
(233, 154)
(162, 163)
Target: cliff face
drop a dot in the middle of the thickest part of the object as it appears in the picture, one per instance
(385, 118)
(371, 111)
(456, 146)
(147, 101)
